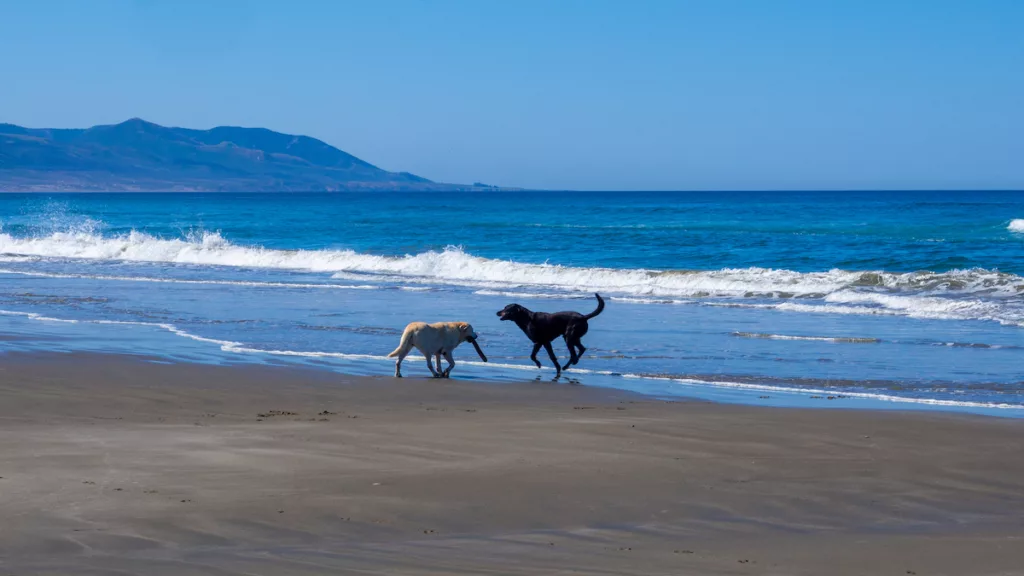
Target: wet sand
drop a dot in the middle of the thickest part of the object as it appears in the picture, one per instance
(121, 465)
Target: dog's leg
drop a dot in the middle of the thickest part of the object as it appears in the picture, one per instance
(437, 360)
(533, 355)
(554, 359)
(572, 354)
(580, 353)
(398, 365)
(430, 365)
(573, 333)
(451, 364)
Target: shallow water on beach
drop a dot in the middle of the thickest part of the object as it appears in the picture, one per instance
(904, 300)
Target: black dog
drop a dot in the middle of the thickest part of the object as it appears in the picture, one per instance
(541, 328)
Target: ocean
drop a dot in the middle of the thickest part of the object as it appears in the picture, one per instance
(904, 300)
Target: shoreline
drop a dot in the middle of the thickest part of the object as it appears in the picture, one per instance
(130, 463)
(743, 390)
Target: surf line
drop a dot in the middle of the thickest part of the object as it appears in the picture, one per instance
(242, 348)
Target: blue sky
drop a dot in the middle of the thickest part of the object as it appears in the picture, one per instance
(579, 94)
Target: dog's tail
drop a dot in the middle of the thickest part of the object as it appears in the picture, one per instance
(404, 345)
(600, 307)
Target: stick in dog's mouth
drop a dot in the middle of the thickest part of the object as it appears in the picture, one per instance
(478, 350)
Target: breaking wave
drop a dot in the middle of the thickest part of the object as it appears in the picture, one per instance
(957, 294)
(1016, 225)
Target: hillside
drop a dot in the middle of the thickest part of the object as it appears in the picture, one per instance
(141, 156)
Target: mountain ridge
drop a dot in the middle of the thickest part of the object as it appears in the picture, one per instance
(137, 155)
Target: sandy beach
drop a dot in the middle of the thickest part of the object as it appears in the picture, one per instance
(118, 465)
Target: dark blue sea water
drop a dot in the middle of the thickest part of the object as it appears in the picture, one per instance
(883, 300)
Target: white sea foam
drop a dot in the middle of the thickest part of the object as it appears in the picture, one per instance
(633, 300)
(862, 395)
(577, 296)
(844, 339)
(454, 265)
(957, 294)
(930, 307)
(1016, 225)
(225, 345)
(536, 295)
(40, 317)
(209, 248)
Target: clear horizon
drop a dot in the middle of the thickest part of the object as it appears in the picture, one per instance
(681, 96)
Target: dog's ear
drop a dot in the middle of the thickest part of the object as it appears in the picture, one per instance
(463, 327)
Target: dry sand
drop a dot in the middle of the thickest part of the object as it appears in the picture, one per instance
(114, 465)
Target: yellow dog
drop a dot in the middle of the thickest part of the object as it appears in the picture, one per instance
(438, 339)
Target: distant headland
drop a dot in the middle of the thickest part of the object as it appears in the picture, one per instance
(140, 156)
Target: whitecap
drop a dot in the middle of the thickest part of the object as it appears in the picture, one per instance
(956, 294)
